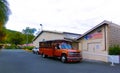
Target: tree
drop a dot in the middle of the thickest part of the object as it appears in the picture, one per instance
(17, 38)
(4, 14)
(2, 34)
(29, 30)
(14, 37)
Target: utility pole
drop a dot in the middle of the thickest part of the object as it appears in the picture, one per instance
(41, 27)
(27, 38)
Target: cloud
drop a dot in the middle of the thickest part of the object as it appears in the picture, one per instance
(63, 15)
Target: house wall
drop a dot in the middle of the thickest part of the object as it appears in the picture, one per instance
(47, 36)
(94, 45)
(75, 45)
(114, 32)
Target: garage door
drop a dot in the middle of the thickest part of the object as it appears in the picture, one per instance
(94, 51)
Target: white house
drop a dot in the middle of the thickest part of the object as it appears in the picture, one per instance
(52, 35)
(96, 42)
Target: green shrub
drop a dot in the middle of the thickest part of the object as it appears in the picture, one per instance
(1, 46)
(28, 47)
(12, 47)
(114, 50)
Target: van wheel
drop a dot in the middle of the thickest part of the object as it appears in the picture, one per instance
(63, 58)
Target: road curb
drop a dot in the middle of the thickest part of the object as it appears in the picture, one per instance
(28, 50)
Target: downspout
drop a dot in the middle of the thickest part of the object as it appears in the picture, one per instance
(105, 34)
(105, 37)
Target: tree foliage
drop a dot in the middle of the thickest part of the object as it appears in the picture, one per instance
(29, 30)
(4, 14)
(15, 37)
(2, 34)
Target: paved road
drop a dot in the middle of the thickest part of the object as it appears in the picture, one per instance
(20, 61)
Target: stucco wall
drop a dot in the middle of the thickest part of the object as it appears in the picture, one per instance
(93, 45)
(47, 36)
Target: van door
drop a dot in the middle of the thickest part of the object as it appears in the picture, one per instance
(57, 51)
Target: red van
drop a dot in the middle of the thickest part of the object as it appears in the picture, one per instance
(61, 49)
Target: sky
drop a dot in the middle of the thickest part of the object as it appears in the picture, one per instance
(76, 16)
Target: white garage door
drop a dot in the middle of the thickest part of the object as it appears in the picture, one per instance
(94, 51)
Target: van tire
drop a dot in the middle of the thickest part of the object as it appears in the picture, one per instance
(63, 58)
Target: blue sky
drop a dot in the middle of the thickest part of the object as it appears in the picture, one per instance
(75, 16)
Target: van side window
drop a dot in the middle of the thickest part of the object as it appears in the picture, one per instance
(57, 46)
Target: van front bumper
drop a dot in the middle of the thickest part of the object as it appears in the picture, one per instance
(74, 59)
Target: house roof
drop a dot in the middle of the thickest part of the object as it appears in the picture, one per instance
(57, 40)
(56, 32)
(48, 32)
(105, 22)
(72, 33)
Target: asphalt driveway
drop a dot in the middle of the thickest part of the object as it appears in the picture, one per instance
(20, 61)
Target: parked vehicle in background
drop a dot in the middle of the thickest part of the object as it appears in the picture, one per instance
(61, 49)
(35, 50)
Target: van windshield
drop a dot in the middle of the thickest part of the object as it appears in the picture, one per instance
(65, 46)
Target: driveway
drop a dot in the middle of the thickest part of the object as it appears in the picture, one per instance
(20, 61)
